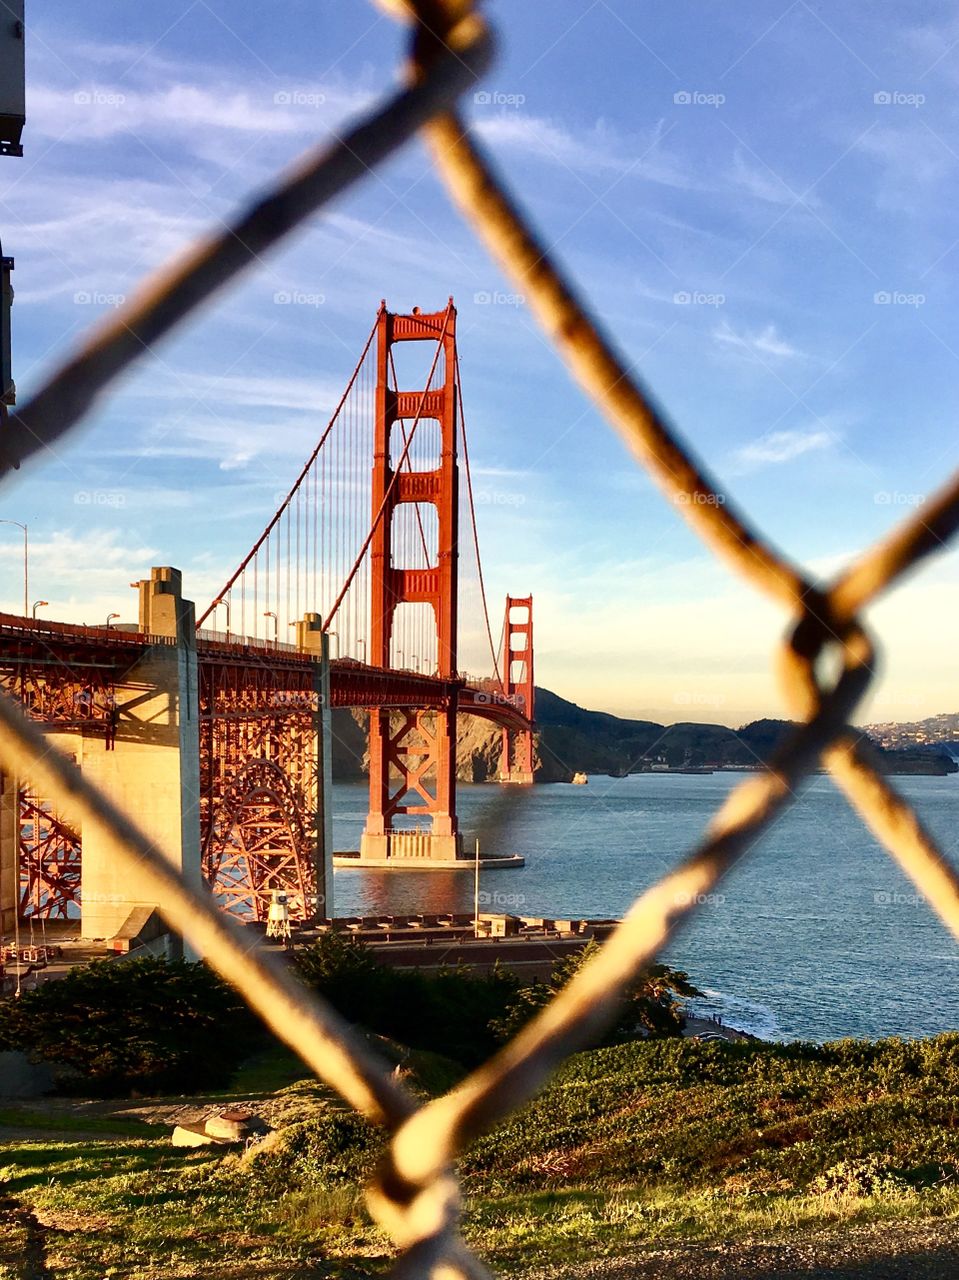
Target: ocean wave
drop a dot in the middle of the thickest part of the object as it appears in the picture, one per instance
(739, 1012)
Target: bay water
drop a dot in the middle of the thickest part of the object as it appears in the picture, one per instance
(815, 935)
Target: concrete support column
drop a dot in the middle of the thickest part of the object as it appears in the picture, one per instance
(312, 639)
(153, 768)
(9, 852)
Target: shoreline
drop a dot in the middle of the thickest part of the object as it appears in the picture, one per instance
(699, 1026)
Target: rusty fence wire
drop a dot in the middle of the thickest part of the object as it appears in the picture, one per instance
(414, 1194)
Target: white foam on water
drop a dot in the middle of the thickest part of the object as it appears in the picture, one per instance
(737, 1012)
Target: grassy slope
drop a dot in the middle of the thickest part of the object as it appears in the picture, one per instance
(633, 1145)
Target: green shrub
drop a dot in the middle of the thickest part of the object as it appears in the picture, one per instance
(333, 1149)
(691, 1114)
(449, 1011)
(870, 1176)
(134, 1026)
(651, 1006)
(467, 1016)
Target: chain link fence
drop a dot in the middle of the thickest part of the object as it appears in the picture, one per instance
(414, 1194)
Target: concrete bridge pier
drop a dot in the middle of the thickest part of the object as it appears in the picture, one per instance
(152, 770)
(9, 852)
(312, 639)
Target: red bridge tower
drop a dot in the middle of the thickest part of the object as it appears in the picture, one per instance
(413, 763)
(516, 761)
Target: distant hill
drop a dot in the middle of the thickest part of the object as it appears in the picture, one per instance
(571, 739)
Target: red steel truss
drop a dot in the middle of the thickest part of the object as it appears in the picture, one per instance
(49, 861)
(259, 726)
(257, 844)
(66, 676)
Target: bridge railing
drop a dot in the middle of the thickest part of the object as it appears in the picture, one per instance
(119, 635)
(413, 1195)
(246, 642)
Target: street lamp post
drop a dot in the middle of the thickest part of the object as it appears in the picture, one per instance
(110, 617)
(269, 613)
(226, 606)
(362, 642)
(26, 587)
(39, 604)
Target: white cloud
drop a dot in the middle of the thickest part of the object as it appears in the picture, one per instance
(239, 460)
(912, 160)
(777, 447)
(764, 183)
(104, 110)
(99, 241)
(765, 342)
(108, 566)
(601, 149)
(311, 395)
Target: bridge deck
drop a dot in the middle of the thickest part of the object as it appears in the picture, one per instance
(41, 644)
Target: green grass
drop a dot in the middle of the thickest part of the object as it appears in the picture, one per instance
(278, 1068)
(563, 1227)
(642, 1144)
(275, 1068)
(145, 1209)
(15, 1117)
(751, 1117)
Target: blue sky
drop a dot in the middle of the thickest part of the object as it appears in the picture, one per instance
(759, 200)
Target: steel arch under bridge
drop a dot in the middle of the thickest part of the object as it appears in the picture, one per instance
(258, 843)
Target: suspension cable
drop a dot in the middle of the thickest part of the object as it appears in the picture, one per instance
(469, 489)
(303, 473)
(396, 474)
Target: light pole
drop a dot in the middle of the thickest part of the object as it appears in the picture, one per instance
(226, 606)
(416, 662)
(362, 642)
(476, 891)
(110, 617)
(26, 588)
(39, 604)
(336, 637)
(268, 613)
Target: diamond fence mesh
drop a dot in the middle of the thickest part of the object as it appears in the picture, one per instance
(414, 1194)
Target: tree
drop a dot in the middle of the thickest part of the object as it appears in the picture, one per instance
(448, 1011)
(650, 1007)
(139, 1025)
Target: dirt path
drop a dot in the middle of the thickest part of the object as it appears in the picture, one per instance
(879, 1251)
(22, 1251)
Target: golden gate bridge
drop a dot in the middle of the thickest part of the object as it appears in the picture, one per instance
(215, 729)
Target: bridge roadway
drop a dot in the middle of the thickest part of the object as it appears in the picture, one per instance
(63, 673)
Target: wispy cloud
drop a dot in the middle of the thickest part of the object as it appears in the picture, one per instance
(762, 343)
(778, 447)
(111, 108)
(762, 182)
(912, 161)
(599, 149)
(311, 395)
